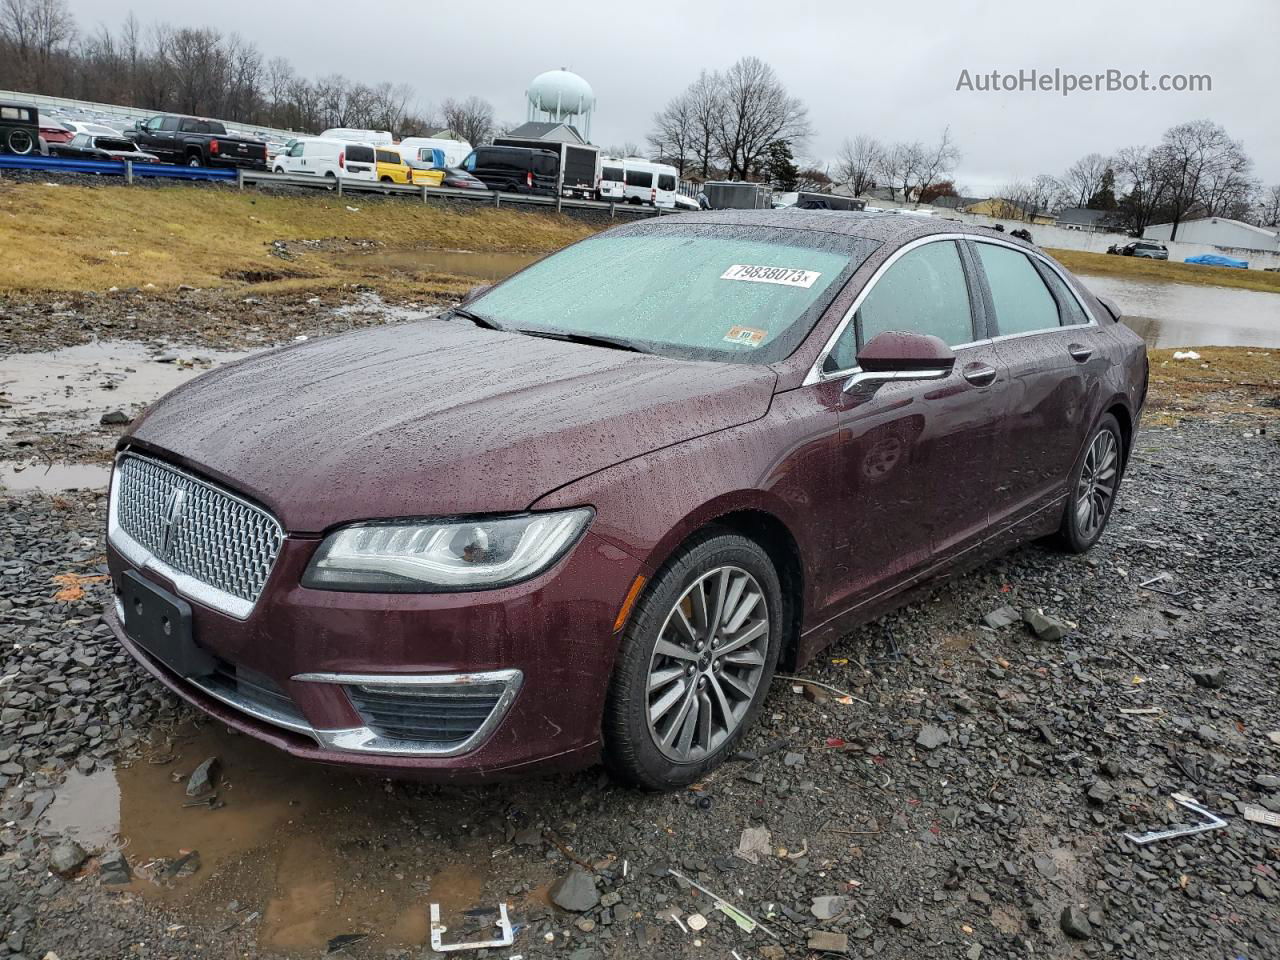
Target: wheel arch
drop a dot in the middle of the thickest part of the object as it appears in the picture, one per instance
(749, 514)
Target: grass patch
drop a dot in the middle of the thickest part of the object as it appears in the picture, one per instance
(73, 238)
(1167, 271)
(1225, 380)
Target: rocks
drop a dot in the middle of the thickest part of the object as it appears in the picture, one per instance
(824, 908)
(901, 918)
(931, 737)
(1100, 793)
(66, 857)
(823, 941)
(1045, 628)
(203, 779)
(575, 891)
(1001, 617)
(115, 418)
(1211, 678)
(1075, 923)
(113, 868)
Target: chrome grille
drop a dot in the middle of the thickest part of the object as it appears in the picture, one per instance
(196, 528)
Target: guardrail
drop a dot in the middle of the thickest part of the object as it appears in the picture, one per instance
(341, 185)
(345, 185)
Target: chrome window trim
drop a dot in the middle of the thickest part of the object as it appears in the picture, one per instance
(816, 374)
(364, 740)
(184, 584)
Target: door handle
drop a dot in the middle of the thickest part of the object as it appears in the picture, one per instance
(979, 374)
(1079, 352)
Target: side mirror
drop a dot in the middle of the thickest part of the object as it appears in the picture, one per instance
(475, 292)
(895, 355)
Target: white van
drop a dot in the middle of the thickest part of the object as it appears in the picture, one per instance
(435, 151)
(352, 135)
(321, 157)
(612, 185)
(651, 183)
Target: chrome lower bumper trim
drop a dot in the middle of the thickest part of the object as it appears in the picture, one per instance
(253, 709)
(366, 740)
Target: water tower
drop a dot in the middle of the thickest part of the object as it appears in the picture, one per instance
(562, 97)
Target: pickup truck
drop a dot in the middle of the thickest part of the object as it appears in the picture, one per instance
(197, 143)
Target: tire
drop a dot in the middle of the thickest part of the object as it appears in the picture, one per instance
(696, 686)
(1095, 482)
(193, 160)
(20, 142)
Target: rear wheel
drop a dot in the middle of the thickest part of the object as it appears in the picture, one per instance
(20, 141)
(1094, 486)
(695, 662)
(194, 160)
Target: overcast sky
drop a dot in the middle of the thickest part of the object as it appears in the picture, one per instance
(890, 70)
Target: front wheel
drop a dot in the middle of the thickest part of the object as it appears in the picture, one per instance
(1093, 489)
(695, 663)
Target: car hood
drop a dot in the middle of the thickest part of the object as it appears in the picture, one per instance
(435, 418)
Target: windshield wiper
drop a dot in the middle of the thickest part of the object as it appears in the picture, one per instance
(591, 339)
(475, 318)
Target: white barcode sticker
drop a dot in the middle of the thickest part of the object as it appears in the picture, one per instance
(785, 276)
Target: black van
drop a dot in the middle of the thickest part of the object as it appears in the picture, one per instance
(19, 128)
(515, 169)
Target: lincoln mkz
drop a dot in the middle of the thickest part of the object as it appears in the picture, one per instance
(588, 513)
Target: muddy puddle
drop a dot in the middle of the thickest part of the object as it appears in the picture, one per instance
(482, 267)
(1184, 315)
(67, 391)
(295, 853)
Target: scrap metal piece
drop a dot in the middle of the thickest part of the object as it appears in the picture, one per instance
(1212, 822)
(505, 939)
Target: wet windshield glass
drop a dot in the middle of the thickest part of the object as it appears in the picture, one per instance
(747, 295)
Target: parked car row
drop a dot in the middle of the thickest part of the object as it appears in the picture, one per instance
(405, 163)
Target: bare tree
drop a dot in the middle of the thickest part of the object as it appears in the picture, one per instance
(706, 103)
(1144, 178)
(756, 110)
(1084, 178)
(472, 119)
(674, 132)
(939, 160)
(900, 166)
(37, 32)
(1267, 208)
(858, 162)
(1194, 156)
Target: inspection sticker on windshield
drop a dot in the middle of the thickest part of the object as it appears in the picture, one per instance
(747, 336)
(786, 276)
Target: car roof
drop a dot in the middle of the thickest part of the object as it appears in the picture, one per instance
(888, 227)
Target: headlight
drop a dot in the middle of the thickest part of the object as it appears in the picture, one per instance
(427, 557)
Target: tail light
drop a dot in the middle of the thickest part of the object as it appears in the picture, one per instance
(528, 178)
(213, 145)
(653, 195)
(342, 159)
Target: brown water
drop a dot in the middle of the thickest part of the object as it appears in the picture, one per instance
(308, 853)
(27, 475)
(1186, 315)
(487, 267)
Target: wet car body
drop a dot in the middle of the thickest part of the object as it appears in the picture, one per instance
(859, 485)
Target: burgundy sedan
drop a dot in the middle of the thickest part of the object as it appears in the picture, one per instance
(589, 512)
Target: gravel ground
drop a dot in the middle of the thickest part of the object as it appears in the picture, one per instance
(973, 806)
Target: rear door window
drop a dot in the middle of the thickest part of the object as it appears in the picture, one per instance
(359, 154)
(611, 173)
(544, 166)
(639, 178)
(388, 156)
(1023, 303)
(666, 181)
(925, 291)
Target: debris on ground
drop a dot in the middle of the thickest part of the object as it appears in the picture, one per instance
(204, 778)
(1002, 617)
(754, 843)
(575, 891)
(1049, 629)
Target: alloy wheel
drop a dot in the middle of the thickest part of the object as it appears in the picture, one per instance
(1097, 486)
(707, 664)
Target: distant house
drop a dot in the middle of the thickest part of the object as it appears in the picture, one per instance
(1218, 232)
(546, 130)
(955, 203)
(446, 134)
(1082, 218)
(1000, 208)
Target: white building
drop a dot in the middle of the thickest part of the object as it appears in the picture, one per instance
(1218, 232)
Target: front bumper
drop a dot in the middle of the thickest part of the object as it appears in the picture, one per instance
(331, 676)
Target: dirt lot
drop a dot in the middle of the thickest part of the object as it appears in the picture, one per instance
(968, 800)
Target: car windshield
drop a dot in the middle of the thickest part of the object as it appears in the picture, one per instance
(692, 291)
